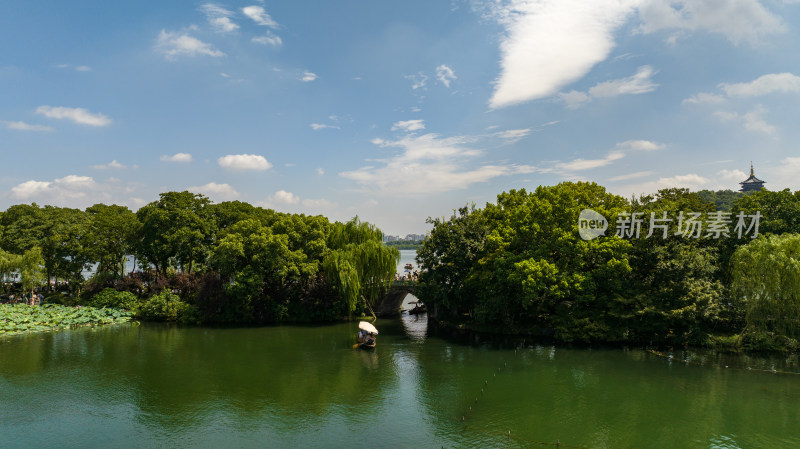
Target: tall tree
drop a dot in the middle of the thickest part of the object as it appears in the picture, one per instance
(766, 278)
(111, 235)
(176, 227)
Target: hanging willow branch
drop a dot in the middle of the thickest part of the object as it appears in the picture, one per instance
(360, 265)
(766, 276)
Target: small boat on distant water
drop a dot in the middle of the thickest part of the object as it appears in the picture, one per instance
(366, 335)
(419, 307)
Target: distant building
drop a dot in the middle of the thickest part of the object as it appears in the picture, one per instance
(751, 183)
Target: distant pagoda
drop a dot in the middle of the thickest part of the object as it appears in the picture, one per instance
(752, 183)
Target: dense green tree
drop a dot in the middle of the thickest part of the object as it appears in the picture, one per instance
(23, 228)
(766, 278)
(65, 247)
(111, 234)
(722, 199)
(178, 227)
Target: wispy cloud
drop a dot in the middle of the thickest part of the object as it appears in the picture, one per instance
(635, 175)
(417, 81)
(173, 44)
(738, 20)
(219, 18)
(308, 77)
(409, 125)
(640, 145)
(638, 83)
(318, 126)
(513, 135)
(79, 68)
(752, 120)
(77, 115)
(763, 85)
(268, 39)
(22, 126)
(259, 16)
(111, 165)
(429, 163)
(244, 162)
(445, 74)
(177, 157)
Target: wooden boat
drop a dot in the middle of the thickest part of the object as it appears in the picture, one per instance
(367, 338)
(419, 307)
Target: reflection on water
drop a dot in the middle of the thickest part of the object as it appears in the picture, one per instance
(157, 386)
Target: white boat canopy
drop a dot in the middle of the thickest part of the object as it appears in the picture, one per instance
(368, 327)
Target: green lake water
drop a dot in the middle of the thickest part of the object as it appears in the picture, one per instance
(306, 387)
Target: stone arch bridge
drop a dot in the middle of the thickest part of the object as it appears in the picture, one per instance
(389, 304)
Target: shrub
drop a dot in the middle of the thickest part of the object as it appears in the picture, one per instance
(112, 298)
(167, 306)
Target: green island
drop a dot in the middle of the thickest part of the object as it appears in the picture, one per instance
(514, 267)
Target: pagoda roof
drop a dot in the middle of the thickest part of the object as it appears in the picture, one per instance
(752, 180)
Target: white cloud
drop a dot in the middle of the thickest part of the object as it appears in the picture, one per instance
(417, 81)
(738, 20)
(77, 115)
(308, 76)
(638, 83)
(268, 39)
(318, 126)
(732, 175)
(80, 68)
(574, 99)
(244, 162)
(763, 85)
(177, 157)
(172, 44)
(704, 98)
(284, 197)
(409, 125)
(640, 145)
(113, 164)
(549, 44)
(513, 135)
(30, 189)
(752, 121)
(581, 164)
(219, 18)
(320, 171)
(445, 74)
(259, 16)
(429, 164)
(635, 175)
(223, 192)
(60, 191)
(22, 126)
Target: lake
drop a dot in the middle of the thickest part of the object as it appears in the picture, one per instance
(305, 386)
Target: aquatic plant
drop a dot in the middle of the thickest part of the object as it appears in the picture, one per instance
(18, 318)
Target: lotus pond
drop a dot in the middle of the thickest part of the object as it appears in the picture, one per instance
(20, 318)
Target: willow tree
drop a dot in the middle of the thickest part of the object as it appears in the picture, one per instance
(32, 270)
(766, 277)
(358, 264)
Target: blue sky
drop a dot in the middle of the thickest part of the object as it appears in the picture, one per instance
(392, 111)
